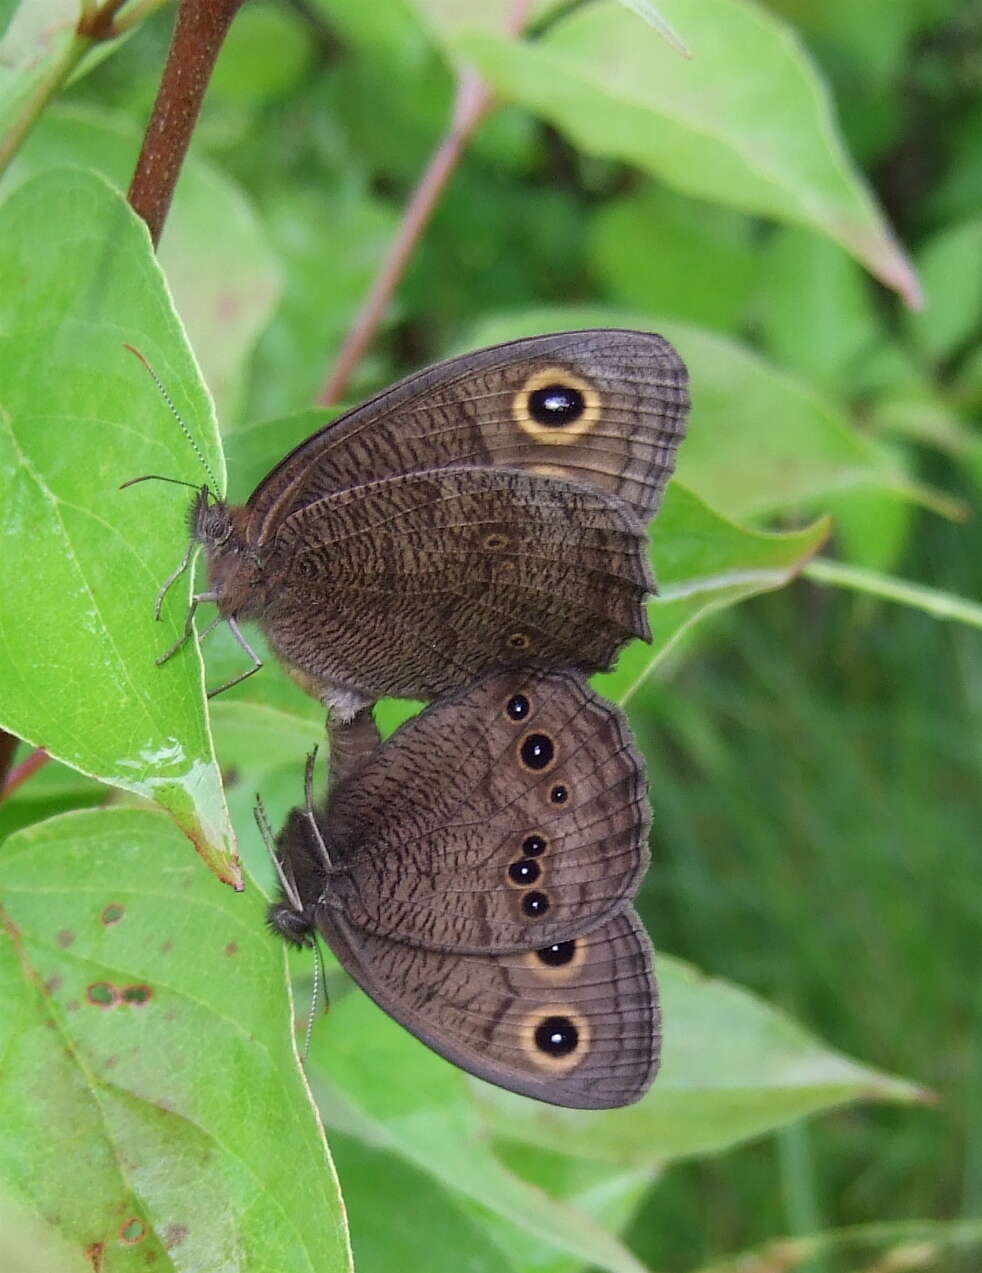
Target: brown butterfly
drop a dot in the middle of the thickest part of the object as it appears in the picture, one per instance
(487, 511)
(474, 875)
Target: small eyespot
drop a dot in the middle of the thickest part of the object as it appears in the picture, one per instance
(559, 794)
(533, 845)
(518, 707)
(496, 541)
(519, 641)
(535, 905)
(557, 955)
(524, 871)
(556, 405)
(556, 1036)
(537, 751)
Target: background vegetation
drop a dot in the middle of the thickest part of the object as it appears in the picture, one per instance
(814, 752)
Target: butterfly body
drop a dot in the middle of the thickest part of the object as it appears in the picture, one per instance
(488, 511)
(474, 875)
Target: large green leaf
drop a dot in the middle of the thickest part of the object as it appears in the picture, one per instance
(747, 122)
(760, 441)
(951, 265)
(214, 253)
(704, 562)
(78, 416)
(148, 1026)
(732, 1068)
(374, 1081)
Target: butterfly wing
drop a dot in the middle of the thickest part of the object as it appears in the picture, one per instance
(416, 585)
(505, 817)
(576, 1024)
(604, 408)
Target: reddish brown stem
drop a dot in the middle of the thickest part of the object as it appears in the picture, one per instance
(23, 771)
(472, 104)
(198, 35)
(8, 745)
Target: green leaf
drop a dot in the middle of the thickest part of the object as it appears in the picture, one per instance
(816, 313)
(78, 416)
(951, 267)
(384, 1241)
(703, 563)
(117, 953)
(707, 276)
(376, 1082)
(214, 252)
(761, 139)
(732, 1068)
(760, 441)
(655, 18)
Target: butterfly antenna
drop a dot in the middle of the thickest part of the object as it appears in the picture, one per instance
(320, 982)
(266, 831)
(309, 810)
(177, 416)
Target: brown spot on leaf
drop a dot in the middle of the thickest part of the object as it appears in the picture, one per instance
(113, 913)
(94, 1253)
(65, 937)
(137, 995)
(167, 947)
(132, 1231)
(53, 983)
(102, 994)
(72, 1006)
(174, 1235)
(232, 948)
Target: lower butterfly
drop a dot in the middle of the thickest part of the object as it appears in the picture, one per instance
(474, 875)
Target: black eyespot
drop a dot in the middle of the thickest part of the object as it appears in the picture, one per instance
(537, 751)
(559, 794)
(524, 872)
(519, 641)
(518, 707)
(533, 845)
(556, 1036)
(535, 904)
(556, 405)
(560, 953)
(495, 541)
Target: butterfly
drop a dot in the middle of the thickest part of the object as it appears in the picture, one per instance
(488, 511)
(474, 874)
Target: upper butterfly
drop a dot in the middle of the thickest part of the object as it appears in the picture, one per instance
(487, 511)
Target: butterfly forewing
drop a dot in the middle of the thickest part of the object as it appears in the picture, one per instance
(602, 407)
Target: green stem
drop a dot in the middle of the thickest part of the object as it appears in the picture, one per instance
(42, 93)
(940, 605)
(135, 15)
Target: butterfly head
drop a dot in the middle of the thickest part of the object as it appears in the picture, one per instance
(209, 519)
(295, 926)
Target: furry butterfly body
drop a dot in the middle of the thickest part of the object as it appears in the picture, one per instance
(487, 511)
(474, 875)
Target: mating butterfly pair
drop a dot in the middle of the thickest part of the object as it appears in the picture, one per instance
(463, 535)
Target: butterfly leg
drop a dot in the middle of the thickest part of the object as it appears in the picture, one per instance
(188, 627)
(237, 633)
(266, 831)
(315, 830)
(173, 577)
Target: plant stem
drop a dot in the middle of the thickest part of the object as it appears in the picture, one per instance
(940, 605)
(473, 101)
(24, 771)
(199, 33)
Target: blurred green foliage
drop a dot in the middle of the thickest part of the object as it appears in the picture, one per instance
(814, 756)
